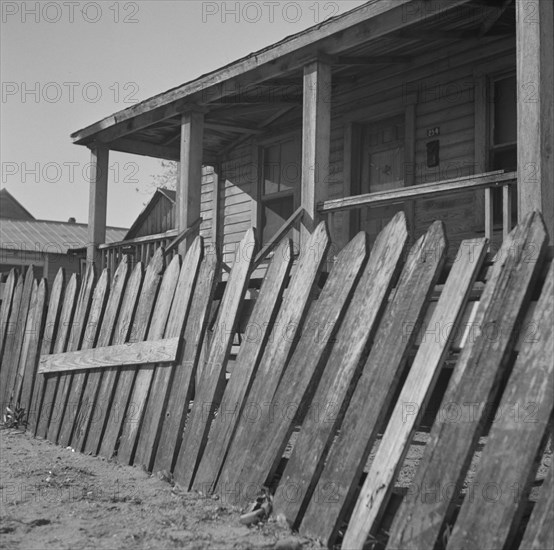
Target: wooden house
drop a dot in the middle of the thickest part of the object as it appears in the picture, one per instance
(442, 108)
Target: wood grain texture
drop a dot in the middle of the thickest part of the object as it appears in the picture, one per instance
(281, 344)
(375, 388)
(51, 326)
(144, 374)
(209, 388)
(14, 351)
(108, 380)
(74, 343)
(87, 405)
(256, 334)
(48, 409)
(11, 329)
(182, 385)
(5, 309)
(415, 394)
(290, 404)
(119, 411)
(31, 344)
(163, 376)
(93, 321)
(345, 361)
(539, 533)
(520, 431)
(476, 379)
(133, 353)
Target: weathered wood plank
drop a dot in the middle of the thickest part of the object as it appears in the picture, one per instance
(519, 431)
(144, 374)
(105, 334)
(14, 352)
(155, 407)
(476, 380)
(107, 383)
(256, 335)
(209, 388)
(31, 345)
(134, 353)
(48, 409)
(75, 338)
(281, 344)
(380, 377)
(51, 326)
(183, 382)
(119, 411)
(271, 433)
(539, 533)
(7, 301)
(349, 351)
(415, 394)
(11, 329)
(78, 380)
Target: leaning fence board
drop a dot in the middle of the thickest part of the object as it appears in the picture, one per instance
(104, 405)
(136, 353)
(476, 379)
(144, 374)
(255, 339)
(7, 300)
(48, 409)
(415, 395)
(78, 380)
(210, 386)
(119, 412)
(51, 326)
(183, 382)
(350, 349)
(31, 344)
(155, 406)
(14, 352)
(271, 433)
(75, 339)
(11, 330)
(107, 328)
(282, 342)
(519, 432)
(539, 533)
(375, 388)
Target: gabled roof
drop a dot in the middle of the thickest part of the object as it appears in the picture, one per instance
(49, 236)
(11, 208)
(161, 194)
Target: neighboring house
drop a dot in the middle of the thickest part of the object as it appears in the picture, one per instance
(44, 244)
(442, 109)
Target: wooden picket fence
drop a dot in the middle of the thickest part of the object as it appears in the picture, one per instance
(334, 376)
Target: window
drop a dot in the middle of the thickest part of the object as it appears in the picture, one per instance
(282, 172)
(503, 136)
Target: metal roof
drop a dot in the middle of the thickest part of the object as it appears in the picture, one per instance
(49, 236)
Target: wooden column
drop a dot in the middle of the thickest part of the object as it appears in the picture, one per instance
(98, 195)
(316, 142)
(189, 187)
(535, 76)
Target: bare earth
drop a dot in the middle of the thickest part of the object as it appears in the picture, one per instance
(54, 498)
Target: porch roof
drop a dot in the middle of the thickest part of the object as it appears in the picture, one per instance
(244, 98)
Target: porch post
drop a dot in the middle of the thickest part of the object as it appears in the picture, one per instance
(316, 142)
(98, 194)
(190, 181)
(535, 79)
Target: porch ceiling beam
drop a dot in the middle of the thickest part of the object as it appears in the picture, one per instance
(358, 27)
(494, 16)
(371, 59)
(231, 128)
(145, 149)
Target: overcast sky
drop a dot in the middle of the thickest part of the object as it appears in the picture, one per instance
(67, 64)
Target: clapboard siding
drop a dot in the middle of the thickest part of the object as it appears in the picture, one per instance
(207, 204)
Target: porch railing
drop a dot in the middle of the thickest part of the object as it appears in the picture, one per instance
(487, 182)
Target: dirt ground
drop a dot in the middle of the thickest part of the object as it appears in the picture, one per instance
(54, 498)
